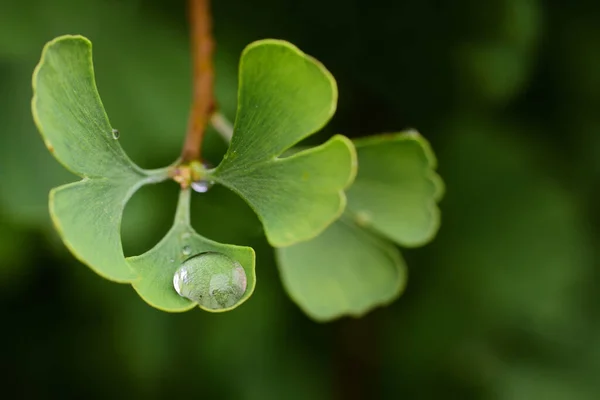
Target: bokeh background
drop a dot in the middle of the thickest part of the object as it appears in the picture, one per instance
(503, 304)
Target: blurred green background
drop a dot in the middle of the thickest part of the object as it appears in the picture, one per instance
(504, 304)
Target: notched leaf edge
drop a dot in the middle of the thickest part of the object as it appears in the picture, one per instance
(139, 176)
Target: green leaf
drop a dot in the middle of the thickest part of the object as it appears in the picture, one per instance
(353, 267)
(396, 191)
(69, 114)
(285, 96)
(345, 270)
(87, 215)
(156, 268)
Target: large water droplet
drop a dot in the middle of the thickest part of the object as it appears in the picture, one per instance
(115, 134)
(213, 280)
(202, 186)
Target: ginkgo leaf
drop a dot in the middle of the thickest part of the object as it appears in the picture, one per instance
(69, 114)
(71, 118)
(285, 96)
(157, 267)
(345, 270)
(353, 266)
(87, 214)
(397, 190)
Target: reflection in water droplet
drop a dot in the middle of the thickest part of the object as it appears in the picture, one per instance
(213, 280)
(187, 250)
(115, 134)
(202, 186)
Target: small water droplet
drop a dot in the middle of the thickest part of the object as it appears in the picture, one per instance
(202, 186)
(363, 218)
(187, 250)
(185, 235)
(213, 280)
(172, 260)
(115, 134)
(412, 133)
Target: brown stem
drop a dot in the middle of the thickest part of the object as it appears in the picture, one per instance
(203, 75)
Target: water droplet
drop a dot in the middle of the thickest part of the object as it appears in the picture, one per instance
(115, 134)
(363, 218)
(202, 186)
(213, 280)
(412, 133)
(185, 235)
(187, 250)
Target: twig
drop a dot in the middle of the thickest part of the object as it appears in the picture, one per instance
(203, 76)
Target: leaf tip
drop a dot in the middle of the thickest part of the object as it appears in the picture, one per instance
(289, 46)
(47, 47)
(353, 158)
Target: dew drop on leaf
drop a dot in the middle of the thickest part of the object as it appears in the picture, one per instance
(202, 186)
(363, 218)
(115, 134)
(213, 280)
(186, 250)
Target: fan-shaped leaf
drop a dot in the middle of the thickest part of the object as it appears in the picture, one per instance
(69, 114)
(156, 268)
(353, 267)
(285, 96)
